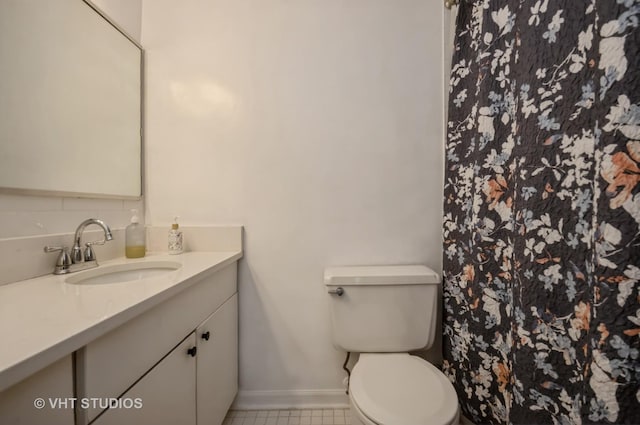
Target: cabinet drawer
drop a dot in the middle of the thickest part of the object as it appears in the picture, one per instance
(108, 366)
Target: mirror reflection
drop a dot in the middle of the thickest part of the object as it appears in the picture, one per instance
(70, 101)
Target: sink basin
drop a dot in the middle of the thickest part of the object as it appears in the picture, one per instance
(128, 272)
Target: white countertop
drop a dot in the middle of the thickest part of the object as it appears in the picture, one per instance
(44, 319)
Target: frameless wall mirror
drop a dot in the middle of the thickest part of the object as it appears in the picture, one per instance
(70, 101)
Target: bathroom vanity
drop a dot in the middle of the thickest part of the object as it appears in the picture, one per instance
(162, 349)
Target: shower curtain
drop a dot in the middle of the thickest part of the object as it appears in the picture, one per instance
(542, 212)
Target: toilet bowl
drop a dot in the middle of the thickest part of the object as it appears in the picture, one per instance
(400, 389)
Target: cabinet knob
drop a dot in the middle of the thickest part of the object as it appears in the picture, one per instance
(192, 351)
(206, 335)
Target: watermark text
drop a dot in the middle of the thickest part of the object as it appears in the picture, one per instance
(87, 403)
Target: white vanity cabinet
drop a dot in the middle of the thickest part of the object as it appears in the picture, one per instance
(45, 398)
(162, 358)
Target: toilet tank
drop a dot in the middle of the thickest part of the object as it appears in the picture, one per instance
(382, 308)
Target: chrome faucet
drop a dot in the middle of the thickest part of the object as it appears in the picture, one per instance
(76, 254)
(79, 259)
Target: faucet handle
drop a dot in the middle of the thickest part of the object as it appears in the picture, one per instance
(89, 255)
(64, 259)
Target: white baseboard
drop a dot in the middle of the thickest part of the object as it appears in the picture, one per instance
(291, 399)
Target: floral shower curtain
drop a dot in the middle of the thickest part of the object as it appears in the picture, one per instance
(542, 212)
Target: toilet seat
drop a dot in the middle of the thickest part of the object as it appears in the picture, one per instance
(400, 389)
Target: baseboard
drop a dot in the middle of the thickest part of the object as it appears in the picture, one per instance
(291, 399)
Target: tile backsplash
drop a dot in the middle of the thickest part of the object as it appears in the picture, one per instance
(198, 238)
(22, 216)
(28, 223)
(24, 258)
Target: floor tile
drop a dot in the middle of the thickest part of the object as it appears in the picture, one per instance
(288, 417)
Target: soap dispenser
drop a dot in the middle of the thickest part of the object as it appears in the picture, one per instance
(134, 245)
(175, 238)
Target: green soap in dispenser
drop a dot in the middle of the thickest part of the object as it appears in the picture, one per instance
(135, 240)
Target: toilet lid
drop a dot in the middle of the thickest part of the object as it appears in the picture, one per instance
(400, 389)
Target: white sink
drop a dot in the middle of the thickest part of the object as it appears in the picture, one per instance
(128, 272)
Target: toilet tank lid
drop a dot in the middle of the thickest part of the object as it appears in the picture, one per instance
(380, 275)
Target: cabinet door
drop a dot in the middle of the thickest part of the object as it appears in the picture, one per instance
(45, 398)
(217, 363)
(166, 393)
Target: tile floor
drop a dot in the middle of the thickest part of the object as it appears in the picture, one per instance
(288, 417)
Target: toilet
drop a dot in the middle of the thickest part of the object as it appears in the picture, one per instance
(383, 312)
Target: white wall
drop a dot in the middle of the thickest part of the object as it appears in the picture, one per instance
(315, 124)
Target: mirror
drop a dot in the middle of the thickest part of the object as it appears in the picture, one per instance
(70, 102)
